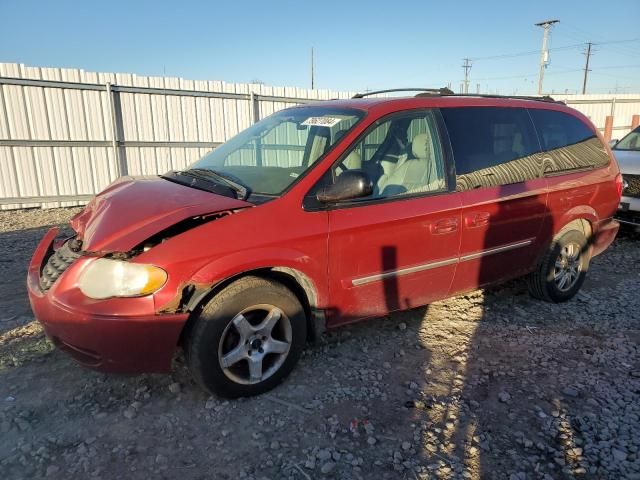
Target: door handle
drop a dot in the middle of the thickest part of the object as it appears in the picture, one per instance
(478, 219)
(446, 225)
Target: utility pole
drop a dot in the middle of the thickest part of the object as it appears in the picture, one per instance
(313, 79)
(544, 54)
(467, 67)
(586, 68)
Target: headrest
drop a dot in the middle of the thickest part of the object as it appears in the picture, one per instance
(339, 134)
(420, 145)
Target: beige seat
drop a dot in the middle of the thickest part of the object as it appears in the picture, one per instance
(388, 167)
(412, 175)
(353, 161)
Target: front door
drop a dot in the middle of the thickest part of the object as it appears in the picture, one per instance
(398, 248)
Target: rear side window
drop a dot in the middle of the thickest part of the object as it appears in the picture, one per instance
(568, 143)
(492, 146)
(559, 129)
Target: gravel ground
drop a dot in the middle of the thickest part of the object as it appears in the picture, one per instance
(488, 385)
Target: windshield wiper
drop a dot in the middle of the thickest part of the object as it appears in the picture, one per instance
(205, 174)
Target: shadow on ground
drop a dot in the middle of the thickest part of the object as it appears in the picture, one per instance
(489, 384)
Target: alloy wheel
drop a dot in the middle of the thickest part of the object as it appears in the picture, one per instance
(568, 267)
(255, 344)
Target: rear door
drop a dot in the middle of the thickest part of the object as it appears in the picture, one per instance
(504, 200)
(398, 248)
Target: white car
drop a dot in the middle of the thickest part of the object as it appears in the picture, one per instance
(627, 153)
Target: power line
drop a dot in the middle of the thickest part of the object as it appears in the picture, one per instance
(530, 52)
(618, 66)
(615, 76)
(553, 49)
(620, 50)
(555, 72)
(587, 35)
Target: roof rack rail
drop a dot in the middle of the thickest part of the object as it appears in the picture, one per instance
(543, 98)
(431, 91)
(447, 92)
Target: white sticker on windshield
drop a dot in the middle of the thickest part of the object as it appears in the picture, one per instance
(321, 121)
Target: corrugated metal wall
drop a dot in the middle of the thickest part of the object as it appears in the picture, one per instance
(68, 141)
(597, 107)
(65, 134)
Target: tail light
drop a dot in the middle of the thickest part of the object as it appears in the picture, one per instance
(619, 184)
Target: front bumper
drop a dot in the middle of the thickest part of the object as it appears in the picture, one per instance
(117, 335)
(629, 211)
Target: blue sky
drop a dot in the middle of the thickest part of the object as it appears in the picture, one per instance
(359, 45)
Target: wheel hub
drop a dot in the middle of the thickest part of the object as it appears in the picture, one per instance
(567, 267)
(255, 344)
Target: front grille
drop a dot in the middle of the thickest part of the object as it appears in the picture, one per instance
(633, 190)
(58, 262)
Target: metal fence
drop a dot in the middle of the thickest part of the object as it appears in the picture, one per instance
(65, 134)
(621, 107)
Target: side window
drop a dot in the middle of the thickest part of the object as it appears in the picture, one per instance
(401, 155)
(630, 142)
(492, 146)
(568, 143)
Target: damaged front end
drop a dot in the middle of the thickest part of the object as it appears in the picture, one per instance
(58, 260)
(111, 274)
(127, 220)
(134, 210)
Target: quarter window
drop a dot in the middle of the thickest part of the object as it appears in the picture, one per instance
(558, 129)
(568, 143)
(492, 146)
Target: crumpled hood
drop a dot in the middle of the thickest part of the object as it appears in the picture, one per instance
(133, 209)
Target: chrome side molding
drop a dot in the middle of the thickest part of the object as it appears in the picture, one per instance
(356, 282)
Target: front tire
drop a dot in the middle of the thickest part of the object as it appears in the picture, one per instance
(247, 338)
(562, 270)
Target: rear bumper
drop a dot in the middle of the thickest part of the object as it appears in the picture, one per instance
(604, 236)
(109, 342)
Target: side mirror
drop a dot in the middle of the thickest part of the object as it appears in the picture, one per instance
(612, 143)
(350, 184)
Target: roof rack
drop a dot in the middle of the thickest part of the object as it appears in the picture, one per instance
(429, 91)
(543, 98)
(447, 92)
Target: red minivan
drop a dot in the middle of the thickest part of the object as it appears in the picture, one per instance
(321, 215)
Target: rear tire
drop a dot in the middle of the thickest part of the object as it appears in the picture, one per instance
(562, 269)
(247, 338)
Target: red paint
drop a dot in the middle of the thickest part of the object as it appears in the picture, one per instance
(123, 335)
(131, 210)
(390, 236)
(330, 249)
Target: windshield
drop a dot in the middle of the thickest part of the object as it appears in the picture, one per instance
(630, 142)
(269, 156)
